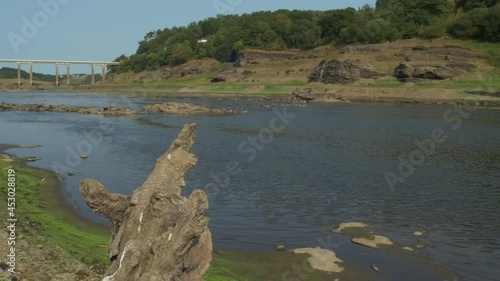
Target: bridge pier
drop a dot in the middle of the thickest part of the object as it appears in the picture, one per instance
(57, 74)
(93, 79)
(31, 73)
(19, 74)
(67, 74)
(103, 67)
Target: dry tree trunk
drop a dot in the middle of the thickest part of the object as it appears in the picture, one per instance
(156, 233)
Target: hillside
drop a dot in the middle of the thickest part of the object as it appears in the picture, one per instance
(223, 37)
(272, 73)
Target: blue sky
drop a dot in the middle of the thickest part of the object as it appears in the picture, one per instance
(105, 29)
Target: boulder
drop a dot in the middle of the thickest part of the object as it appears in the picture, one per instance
(342, 72)
(336, 72)
(406, 72)
(217, 80)
(156, 233)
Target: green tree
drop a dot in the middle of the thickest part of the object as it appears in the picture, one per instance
(468, 5)
(182, 53)
(492, 24)
(332, 22)
(470, 24)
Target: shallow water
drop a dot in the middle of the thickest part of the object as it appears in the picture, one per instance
(326, 167)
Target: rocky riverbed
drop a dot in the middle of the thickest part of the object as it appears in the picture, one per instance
(188, 109)
(173, 108)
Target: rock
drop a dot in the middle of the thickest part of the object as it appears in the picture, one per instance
(420, 245)
(375, 267)
(187, 109)
(246, 72)
(336, 72)
(217, 80)
(67, 108)
(322, 259)
(6, 158)
(345, 225)
(308, 95)
(418, 233)
(406, 72)
(156, 233)
(279, 248)
(375, 242)
(341, 72)
(408, 249)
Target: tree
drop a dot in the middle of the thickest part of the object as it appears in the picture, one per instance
(182, 52)
(492, 24)
(332, 22)
(470, 25)
(468, 5)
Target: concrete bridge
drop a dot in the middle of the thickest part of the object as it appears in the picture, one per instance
(103, 64)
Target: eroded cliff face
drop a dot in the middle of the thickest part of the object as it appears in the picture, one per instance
(156, 233)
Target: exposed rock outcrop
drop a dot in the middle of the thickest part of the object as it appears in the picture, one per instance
(341, 72)
(156, 233)
(359, 235)
(187, 109)
(322, 259)
(110, 111)
(407, 72)
(308, 95)
(167, 108)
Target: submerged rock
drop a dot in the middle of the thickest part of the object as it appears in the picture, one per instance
(279, 248)
(408, 249)
(345, 225)
(358, 234)
(418, 233)
(110, 111)
(322, 259)
(376, 241)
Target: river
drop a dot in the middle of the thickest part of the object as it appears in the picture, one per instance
(326, 164)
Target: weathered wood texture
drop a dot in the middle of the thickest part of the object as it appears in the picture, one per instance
(156, 233)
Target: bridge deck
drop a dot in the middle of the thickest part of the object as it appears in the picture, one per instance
(58, 62)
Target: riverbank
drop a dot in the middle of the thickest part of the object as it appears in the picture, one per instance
(417, 95)
(53, 242)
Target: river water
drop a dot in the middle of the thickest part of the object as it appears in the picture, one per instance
(325, 165)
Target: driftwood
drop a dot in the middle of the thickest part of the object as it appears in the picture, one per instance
(156, 233)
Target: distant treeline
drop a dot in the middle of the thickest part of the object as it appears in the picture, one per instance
(227, 35)
(11, 73)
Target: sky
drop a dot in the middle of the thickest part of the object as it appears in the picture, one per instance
(102, 30)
